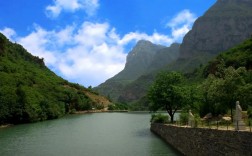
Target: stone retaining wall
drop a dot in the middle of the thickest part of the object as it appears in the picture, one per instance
(201, 142)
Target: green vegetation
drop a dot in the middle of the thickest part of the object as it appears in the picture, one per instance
(183, 118)
(249, 112)
(117, 106)
(159, 118)
(213, 88)
(168, 93)
(30, 92)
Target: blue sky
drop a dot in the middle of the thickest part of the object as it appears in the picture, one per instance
(87, 41)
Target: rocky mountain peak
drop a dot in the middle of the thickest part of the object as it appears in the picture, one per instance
(143, 43)
(139, 59)
(226, 24)
(144, 47)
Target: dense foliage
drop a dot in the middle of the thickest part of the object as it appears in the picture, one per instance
(214, 88)
(118, 106)
(229, 79)
(159, 118)
(167, 92)
(30, 92)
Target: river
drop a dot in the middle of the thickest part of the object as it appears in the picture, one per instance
(97, 134)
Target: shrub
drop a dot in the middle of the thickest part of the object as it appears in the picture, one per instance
(111, 107)
(159, 118)
(249, 112)
(184, 117)
(72, 111)
(249, 122)
(197, 120)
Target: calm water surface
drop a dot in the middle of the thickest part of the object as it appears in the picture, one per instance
(99, 134)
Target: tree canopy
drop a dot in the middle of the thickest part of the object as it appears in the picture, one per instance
(212, 88)
(167, 93)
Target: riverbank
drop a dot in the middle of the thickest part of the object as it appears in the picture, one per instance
(201, 141)
(5, 126)
(79, 112)
(99, 111)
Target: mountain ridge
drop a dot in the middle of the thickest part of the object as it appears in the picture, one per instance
(224, 25)
(139, 62)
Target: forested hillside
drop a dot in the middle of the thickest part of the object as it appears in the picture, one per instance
(30, 92)
(228, 79)
(213, 88)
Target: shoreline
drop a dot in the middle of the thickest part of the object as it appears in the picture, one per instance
(80, 112)
(99, 111)
(5, 126)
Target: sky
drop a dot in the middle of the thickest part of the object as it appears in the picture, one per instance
(87, 41)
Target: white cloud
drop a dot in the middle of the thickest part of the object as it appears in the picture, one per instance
(89, 6)
(38, 42)
(181, 24)
(87, 54)
(9, 33)
(91, 53)
(154, 38)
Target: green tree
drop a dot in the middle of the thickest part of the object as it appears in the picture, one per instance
(222, 91)
(167, 93)
(211, 90)
(233, 79)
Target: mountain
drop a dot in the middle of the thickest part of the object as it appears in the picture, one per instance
(164, 57)
(226, 24)
(223, 26)
(30, 92)
(238, 56)
(138, 88)
(142, 59)
(138, 60)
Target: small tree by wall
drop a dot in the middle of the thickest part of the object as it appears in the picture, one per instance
(167, 93)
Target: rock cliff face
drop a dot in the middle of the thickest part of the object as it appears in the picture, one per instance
(145, 57)
(226, 24)
(139, 60)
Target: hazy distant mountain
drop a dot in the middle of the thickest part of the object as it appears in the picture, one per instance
(144, 58)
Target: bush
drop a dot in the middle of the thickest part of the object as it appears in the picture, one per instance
(197, 120)
(159, 118)
(99, 106)
(117, 106)
(249, 122)
(111, 107)
(184, 117)
(72, 111)
(249, 112)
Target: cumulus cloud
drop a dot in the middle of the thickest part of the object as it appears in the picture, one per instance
(181, 24)
(156, 38)
(9, 33)
(91, 52)
(87, 54)
(39, 43)
(89, 6)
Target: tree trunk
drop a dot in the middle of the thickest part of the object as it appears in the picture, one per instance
(232, 119)
(172, 117)
(169, 111)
